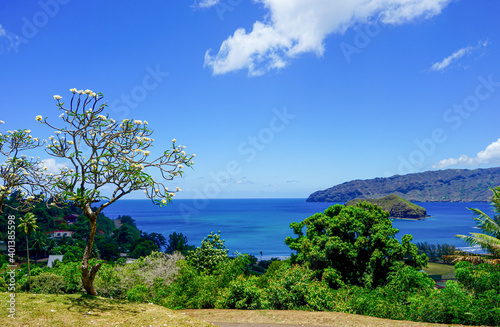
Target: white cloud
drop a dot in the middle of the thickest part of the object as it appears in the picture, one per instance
(300, 26)
(490, 155)
(3, 32)
(204, 4)
(52, 166)
(440, 66)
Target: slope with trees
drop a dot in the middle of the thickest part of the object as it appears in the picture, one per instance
(450, 185)
(396, 206)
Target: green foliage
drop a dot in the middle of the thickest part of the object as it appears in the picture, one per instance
(108, 250)
(242, 293)
(292, 288)
(3, 285)
(211, 253)
(200, 288)
(108, 282)
(396, 206)
(125, 236)
(156, 269)
(48, 283)
(71, 274)
(192, 289)
(435, 251)
(489, 240)
(156, 238)
(72, 254)
(406, 282)
(478, 279)
(142, 247)
(178, 242)
(451, 305)
(140, 293)
(352, 245)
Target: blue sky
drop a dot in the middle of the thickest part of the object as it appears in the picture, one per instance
(277, 99)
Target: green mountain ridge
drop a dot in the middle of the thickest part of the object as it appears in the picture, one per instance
(450, 185)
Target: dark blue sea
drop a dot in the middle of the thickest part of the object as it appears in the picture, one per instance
(255, 225)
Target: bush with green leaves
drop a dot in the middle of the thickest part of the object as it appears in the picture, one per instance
(196, 288)
(192, 289)
(480, 278)
(451, 305)
(242, 293)
(293, 287)
(71, 274)
(139, 293)
(47, 283)
(115, 280)
(3, 285)
(352, 245)
(142, 248)
(210, 254)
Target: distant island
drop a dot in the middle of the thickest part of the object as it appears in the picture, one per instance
(396, 206)
(450, 185)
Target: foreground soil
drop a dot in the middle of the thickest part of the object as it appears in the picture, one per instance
(276, 318)
(70, 310)
(82, 310)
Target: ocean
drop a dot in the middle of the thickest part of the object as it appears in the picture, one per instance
(261, 225)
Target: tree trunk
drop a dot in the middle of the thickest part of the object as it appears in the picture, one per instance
(29, 271)
(88, 274)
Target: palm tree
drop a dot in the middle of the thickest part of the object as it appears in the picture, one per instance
(490, 239)
(40, 244)
(27, 226)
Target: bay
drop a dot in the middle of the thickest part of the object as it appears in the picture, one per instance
(261, 225)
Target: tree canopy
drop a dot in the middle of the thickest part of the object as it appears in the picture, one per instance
(353, 245)
(102, 153)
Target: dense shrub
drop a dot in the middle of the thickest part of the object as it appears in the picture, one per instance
(293, 287)
(202, 289)
(71, 274)
(210, 254)
(242, 293)
(192, 289)
(116, 280)
(451, 305)
(140, 293)
(3, 285)
(46, 283)
(352, 245)
(109, 284)
(478, 279)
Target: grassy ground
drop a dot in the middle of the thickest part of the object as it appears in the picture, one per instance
(82, 310)
(447, 271)
(304, 318)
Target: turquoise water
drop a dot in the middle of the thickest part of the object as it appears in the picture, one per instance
(255, 225)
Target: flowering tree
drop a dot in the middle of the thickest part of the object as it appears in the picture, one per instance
(104, 153)
(22, 176)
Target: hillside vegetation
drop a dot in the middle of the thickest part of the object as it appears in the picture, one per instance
(450, 185)
(396, 206)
